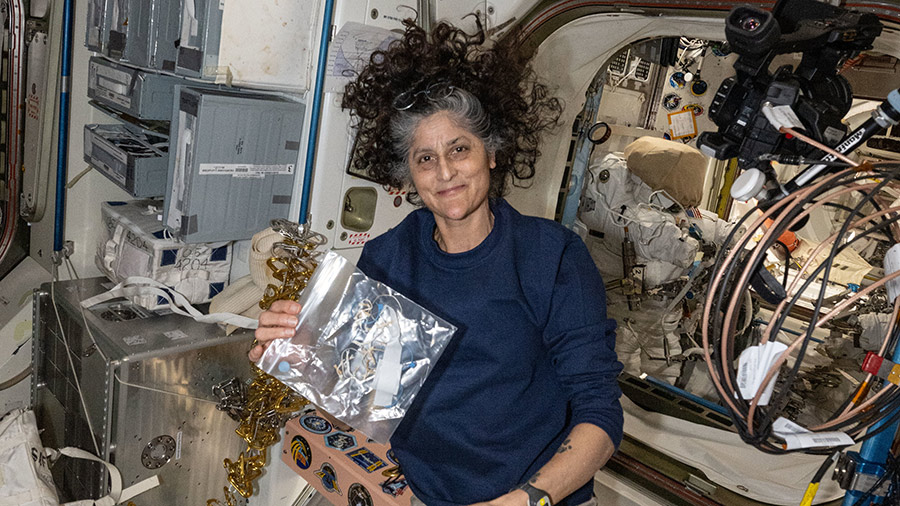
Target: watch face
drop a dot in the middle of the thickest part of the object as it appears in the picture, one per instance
(536, 496)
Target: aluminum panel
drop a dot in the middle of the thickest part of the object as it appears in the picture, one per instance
(148, 376)
(234, 166)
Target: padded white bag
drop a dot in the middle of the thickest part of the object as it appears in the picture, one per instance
(25, 478)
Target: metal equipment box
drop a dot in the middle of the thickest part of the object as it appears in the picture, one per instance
(147, 387)
(145, 33)
(143, 95)
(233, 169)
(96, 33)
(135, 160)
(201, 22)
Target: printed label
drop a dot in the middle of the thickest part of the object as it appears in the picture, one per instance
(134, 340)
(175, 334)
(178, 446)
(816, 439)
(796, 436)
(244, 170)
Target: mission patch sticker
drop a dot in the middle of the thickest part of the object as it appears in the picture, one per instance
(315, 424)
(357, 495)
(367, 460)
(329, 478)
(301, 452)
(340, 441)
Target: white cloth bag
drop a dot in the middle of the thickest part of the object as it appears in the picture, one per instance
(25, 478)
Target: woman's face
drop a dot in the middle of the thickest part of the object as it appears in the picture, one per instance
(450, 168)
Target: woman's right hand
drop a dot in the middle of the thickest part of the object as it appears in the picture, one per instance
(278, 322)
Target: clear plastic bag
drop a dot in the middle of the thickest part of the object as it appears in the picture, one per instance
(361, 351)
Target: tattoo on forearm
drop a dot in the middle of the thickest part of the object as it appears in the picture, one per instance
(566, 446)
(534, 478)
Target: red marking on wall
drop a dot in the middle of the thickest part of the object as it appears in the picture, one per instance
(357, 239)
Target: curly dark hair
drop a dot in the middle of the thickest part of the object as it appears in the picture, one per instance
(518, 108)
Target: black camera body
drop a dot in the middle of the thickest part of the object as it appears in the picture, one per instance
(826, 36)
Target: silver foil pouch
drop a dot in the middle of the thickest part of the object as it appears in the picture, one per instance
(361, 351)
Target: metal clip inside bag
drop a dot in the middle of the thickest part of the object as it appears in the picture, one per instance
(361, 350)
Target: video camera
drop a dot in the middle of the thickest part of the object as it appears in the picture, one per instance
(820, 97)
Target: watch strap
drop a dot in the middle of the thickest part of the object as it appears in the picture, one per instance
(536, 496)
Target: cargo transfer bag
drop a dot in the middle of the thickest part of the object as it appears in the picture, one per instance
(134, 242)
(361, 351)
(25, 478)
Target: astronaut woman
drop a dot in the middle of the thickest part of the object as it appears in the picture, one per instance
(523, 405)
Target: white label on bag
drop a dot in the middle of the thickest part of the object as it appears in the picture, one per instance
(816, 439)
(782, 427)
(244, 170)
(388, 373)
(796, 436)
(753, 365)
(892, 265)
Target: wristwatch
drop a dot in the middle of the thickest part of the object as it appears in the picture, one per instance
(536, 496)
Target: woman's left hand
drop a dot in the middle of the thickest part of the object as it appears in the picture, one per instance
(514, 498)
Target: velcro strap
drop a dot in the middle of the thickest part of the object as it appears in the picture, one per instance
(178, 303)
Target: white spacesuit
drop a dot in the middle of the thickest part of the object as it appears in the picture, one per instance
(666, 233)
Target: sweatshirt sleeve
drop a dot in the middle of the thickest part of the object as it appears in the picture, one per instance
(581, 342)
(369, 265)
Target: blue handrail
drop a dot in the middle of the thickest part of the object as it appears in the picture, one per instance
(62, 141)
(316, 111)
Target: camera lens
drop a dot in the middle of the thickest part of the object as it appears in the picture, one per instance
(751, 31)
(750, 23)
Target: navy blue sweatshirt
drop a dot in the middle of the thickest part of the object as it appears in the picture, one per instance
(534, 354)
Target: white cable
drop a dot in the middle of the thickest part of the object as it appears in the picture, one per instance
(142, 387)
(668, 196)
(78, 177)
(69, 270)
(73, 267)
(632, 70)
